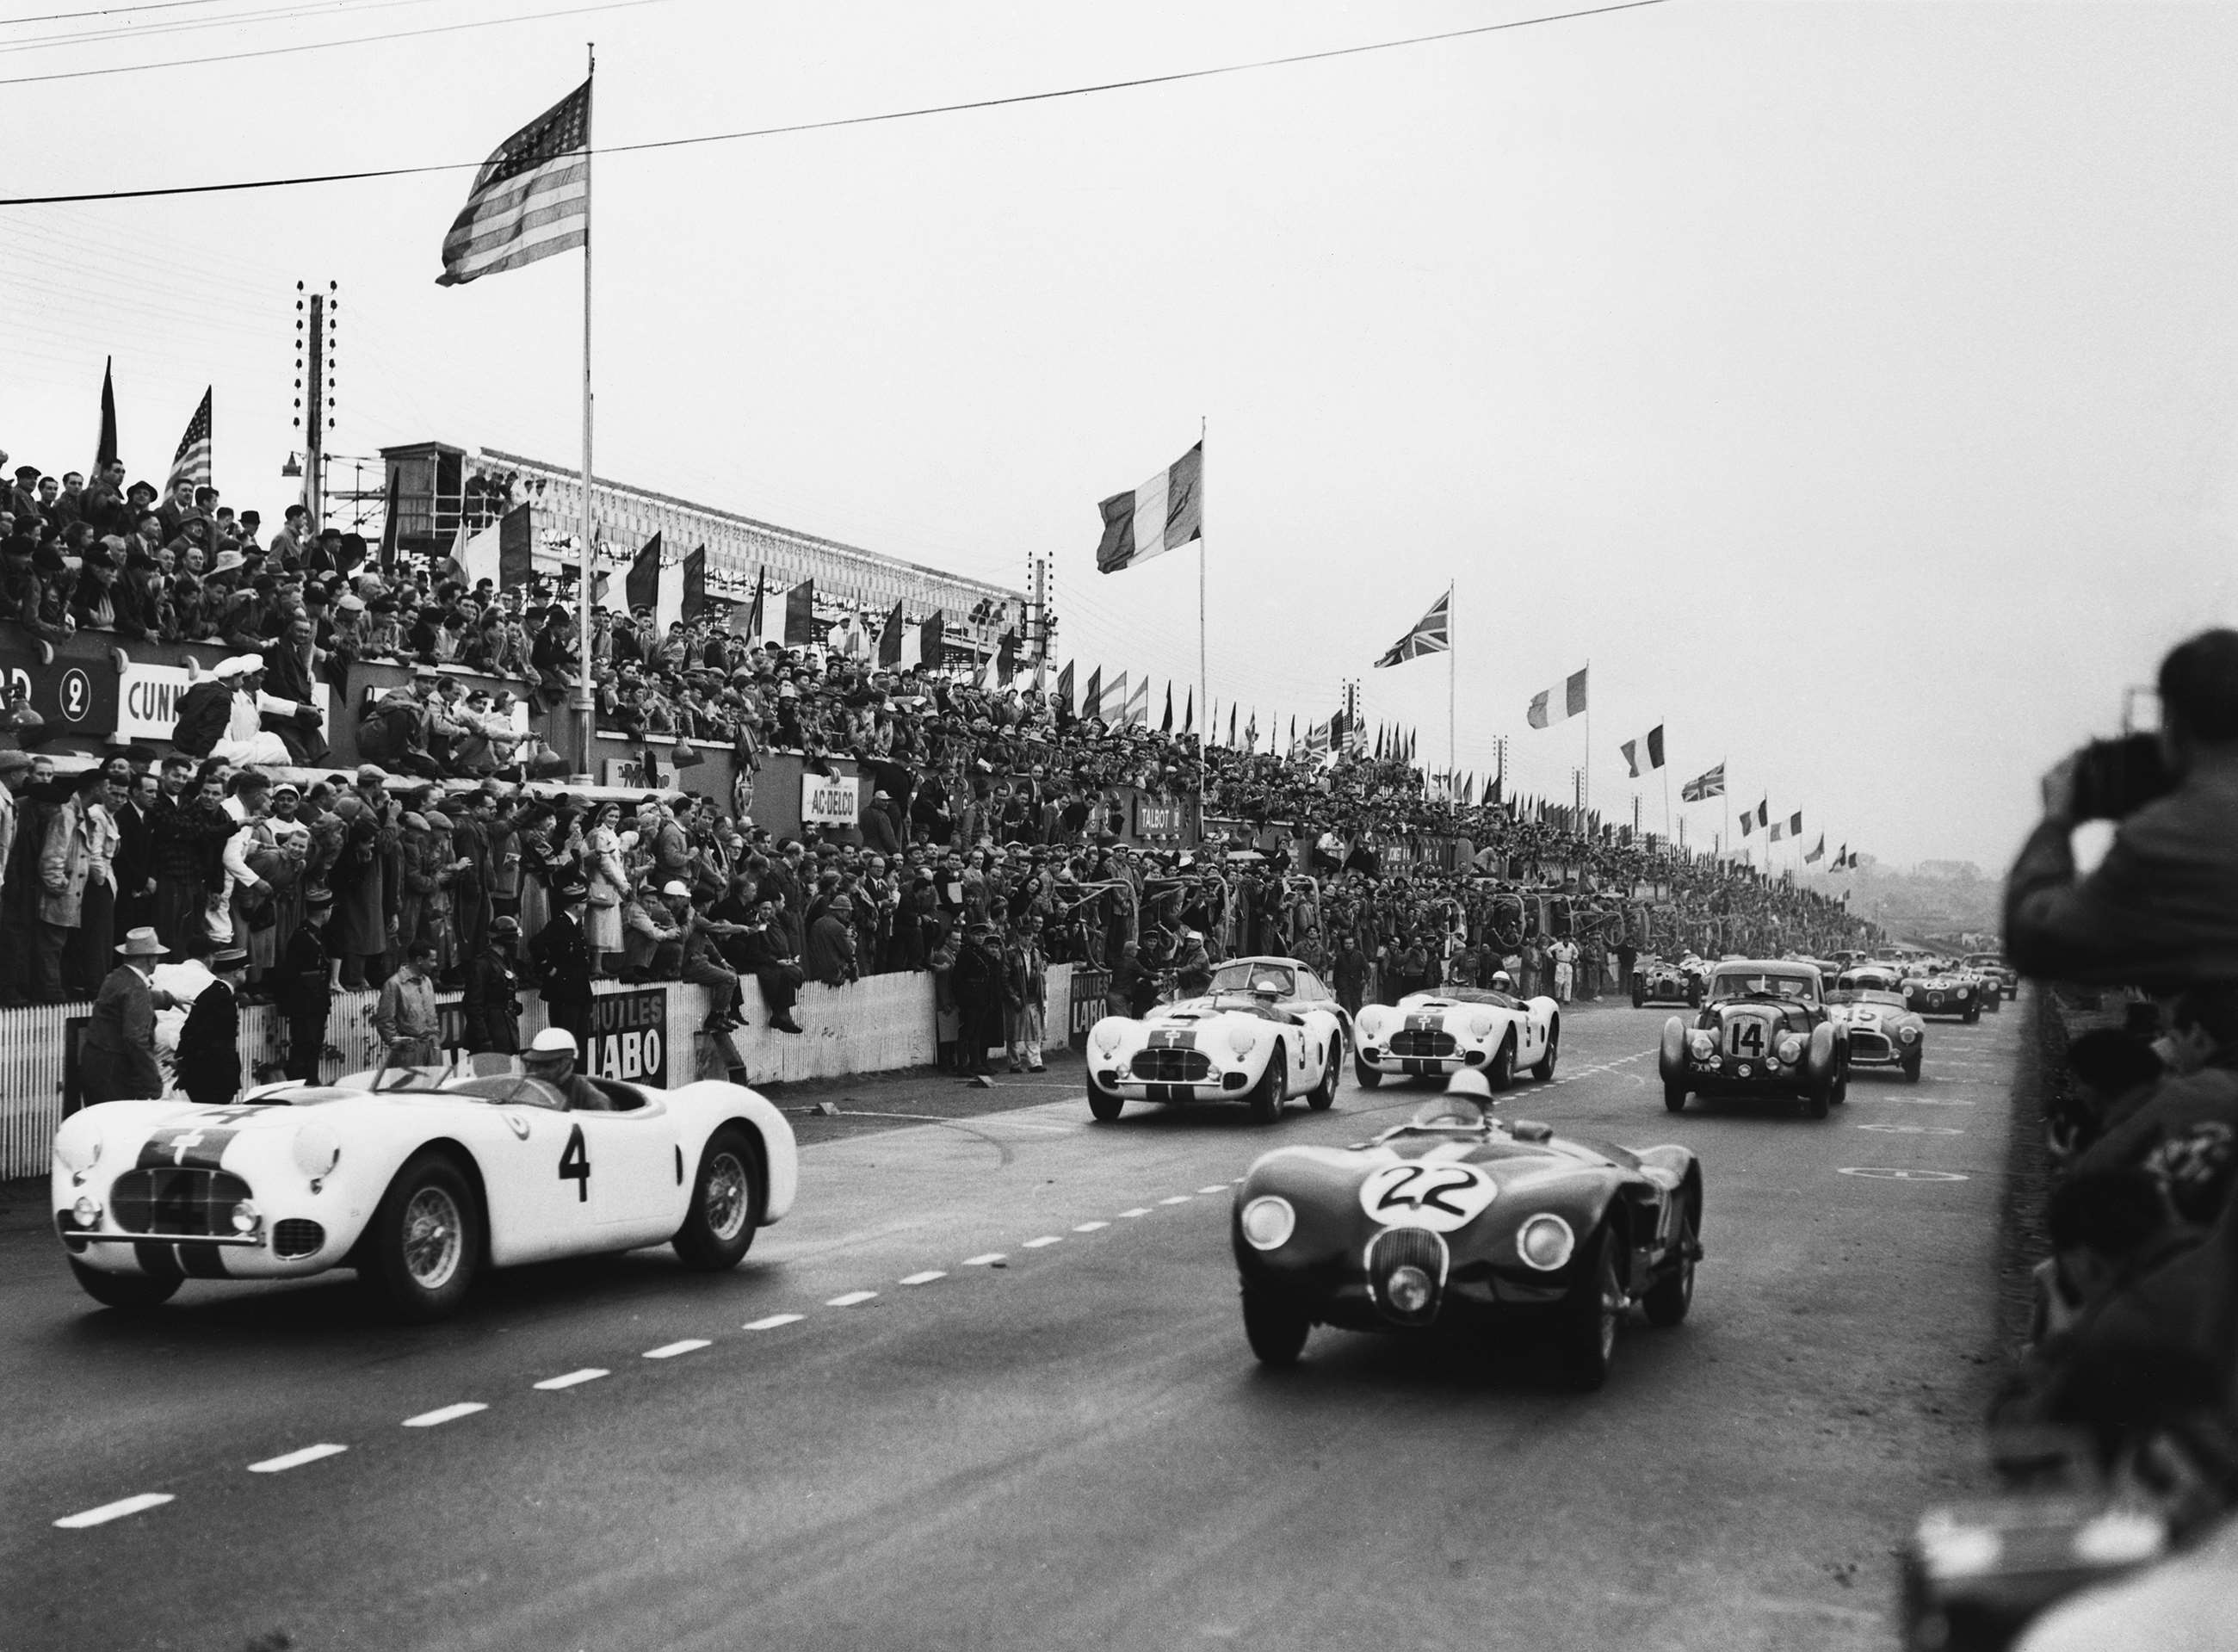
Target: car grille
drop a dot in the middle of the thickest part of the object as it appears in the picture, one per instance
(1396, 1248)
(1868, 1046)
(1172, 1066)
(297, 1237)
(1421, 1044)
(191, 1202)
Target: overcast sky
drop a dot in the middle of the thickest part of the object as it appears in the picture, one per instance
(1852, 384)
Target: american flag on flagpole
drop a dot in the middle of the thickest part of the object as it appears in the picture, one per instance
(530, 199)
(192, 461)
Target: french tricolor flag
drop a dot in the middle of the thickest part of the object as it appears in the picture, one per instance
(1163, 513)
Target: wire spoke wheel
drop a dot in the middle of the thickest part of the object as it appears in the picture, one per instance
(434, 1229)
(727, 1195)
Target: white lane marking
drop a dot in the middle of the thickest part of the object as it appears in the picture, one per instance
(1140, 1209)
(926, 1277)
(771, 1323)
(588, 1374)
(1236, 1181)
(1178, 1198)
(1881, 1173)
(1046, 1238)
(851, 1299)
(1090, 1227)
(989, 1260)
(287, 1460)
(670, 1350)
(1918, 1101)
(1911, 1130)
(116, 1511)
(444, 1414)
(1217, 1187)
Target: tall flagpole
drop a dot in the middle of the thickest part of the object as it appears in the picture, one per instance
(1201, 423)
(586, 706)
(1453, 650)
(1588, 802)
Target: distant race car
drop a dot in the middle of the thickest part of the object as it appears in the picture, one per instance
(1765, 1030)
(1993, 966)
(1455, 1223)
(1883, 1032)
(1428, 1035)
(1656, 980)
(1229, 1046)
(1940, 991)
(413, 1178)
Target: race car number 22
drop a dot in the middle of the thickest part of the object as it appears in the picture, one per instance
(1438, 1196)
(575, 1166)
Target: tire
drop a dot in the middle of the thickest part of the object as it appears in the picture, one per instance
(131, 1293)
(1276, 1330)
(1817, 1096)
(1694, 996)
(1501, 1074)
(424, 1245)
(1674, 1098)
(1370, 1077)
(1841, 1082)
(1103, 1103)
(1639, 995)
(1322, 1095)
(1586, 1320)
(1973, 1013)
(1669, 1297)
(1543, 1069)
(1993, 1003)
(727, 1198)
(1911, 1069)
(1265, 1097)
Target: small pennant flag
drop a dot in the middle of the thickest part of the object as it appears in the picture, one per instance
(1064, 693)
(1115, 701)
(1138, 703)
(1795, 824)
(1652, 742)
(1091, 698)
(1166, 726)
(799, 615)
(1433, 633)
(1819, 851)
(530, 199)
(890, 639)
(1164, 514)
(641, 588)
(1188, 710)
(1778, 830)
(1748, 821)
(1573, 701)
(1708, 784)
(1231, 726)
(104, 448)
(694, 599)
(192, 461)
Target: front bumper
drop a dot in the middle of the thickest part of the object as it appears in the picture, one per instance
(1748, 1078)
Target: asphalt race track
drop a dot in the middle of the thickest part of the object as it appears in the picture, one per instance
(988, 1387)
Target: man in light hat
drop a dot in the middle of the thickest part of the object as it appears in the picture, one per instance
(116, 1062)
(550, 1059)
(209, 1044)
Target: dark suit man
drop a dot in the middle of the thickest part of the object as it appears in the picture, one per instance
(302, 987)
(560, 958)
(209, 1044)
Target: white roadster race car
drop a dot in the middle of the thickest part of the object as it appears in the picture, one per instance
(415, 1178)
(1230, 1046)
(1431, 1034)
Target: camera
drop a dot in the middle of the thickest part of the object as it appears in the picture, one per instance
(2115, 778)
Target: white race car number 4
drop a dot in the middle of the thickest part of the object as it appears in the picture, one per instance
(1439, 1197)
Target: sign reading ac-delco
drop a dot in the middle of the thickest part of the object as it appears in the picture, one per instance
(831, 800)
(628, 1038)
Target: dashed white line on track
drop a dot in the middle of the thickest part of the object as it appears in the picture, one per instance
(1046, 1238)
(851, 1298)
(987, 1261)
(444, 1414)
(1140, 1209)
(588, 1374)
(771, 1321)
(1178, 1198)
(1217, 1187)
(926, 1277)
(116, 1511)
(289, 1460)
(670, 1350)
(1090, 1227)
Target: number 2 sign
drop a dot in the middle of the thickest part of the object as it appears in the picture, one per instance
(1414, 1194)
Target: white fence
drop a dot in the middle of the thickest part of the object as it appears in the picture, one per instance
(881, 1024)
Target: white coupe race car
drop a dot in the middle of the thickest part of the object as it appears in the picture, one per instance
(1428, 1035)
(415, 1178)
(1230, 1046)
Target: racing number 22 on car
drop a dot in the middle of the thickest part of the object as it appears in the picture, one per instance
(628, 1038)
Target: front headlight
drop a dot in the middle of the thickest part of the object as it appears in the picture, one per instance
(1481, 1026)
(1546, 1242)
(87, 1211)
(1408, 1289)
(1106, 1038)
(77, 1145)
(1243, 1039)
(1703, 1043)
(1910, 1035)
(1124, 1072)
(1268, 1222)
(1790, 1049)
(246, 1216)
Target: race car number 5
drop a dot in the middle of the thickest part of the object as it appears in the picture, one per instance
(575, 1166)
(1439, 1197)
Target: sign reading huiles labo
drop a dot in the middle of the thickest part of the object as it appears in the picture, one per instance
(628, 1038)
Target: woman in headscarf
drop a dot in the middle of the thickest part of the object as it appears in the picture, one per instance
(609, 883)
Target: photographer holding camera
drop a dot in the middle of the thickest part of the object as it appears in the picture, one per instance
(2161, 912)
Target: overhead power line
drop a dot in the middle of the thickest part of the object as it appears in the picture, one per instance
(1097, 88)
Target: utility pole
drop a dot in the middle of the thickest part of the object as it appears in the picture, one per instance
(1037, 624)
(314, 386)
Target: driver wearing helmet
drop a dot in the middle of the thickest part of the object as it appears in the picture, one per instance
(551, 1058)
(1467, 1100)
(1501, 982)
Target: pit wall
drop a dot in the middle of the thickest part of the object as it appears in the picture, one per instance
(646, 1034)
